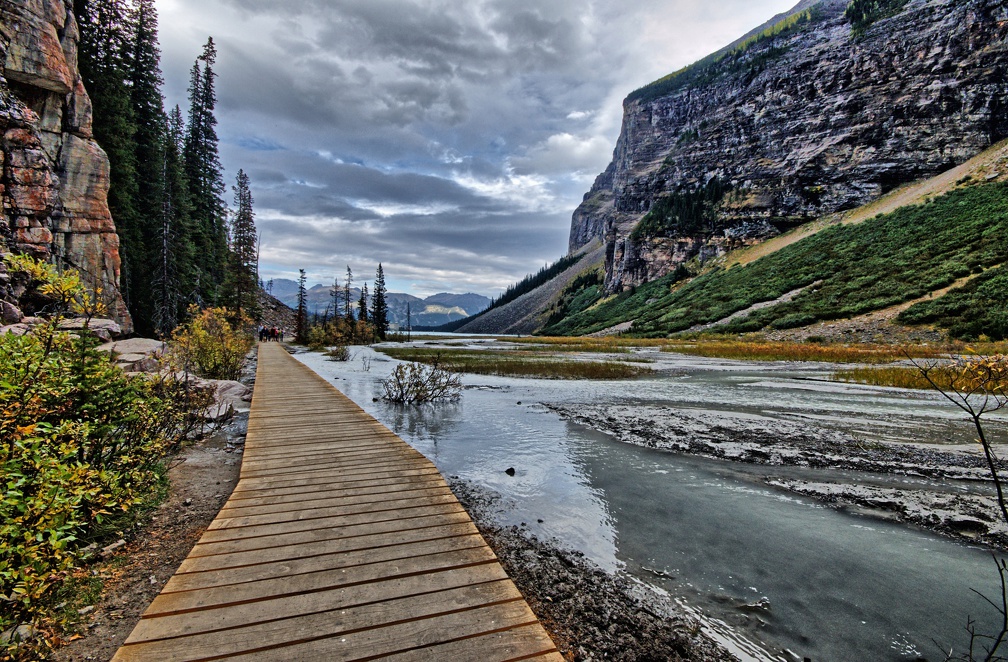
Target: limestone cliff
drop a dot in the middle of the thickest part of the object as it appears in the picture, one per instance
(55, 177)
(807, 122)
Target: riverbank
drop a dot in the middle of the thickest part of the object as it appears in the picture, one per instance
(957, 501)
(590, 614)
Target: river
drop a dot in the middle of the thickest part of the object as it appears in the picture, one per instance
(779, 576)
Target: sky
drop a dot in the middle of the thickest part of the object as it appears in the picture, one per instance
(449, 140)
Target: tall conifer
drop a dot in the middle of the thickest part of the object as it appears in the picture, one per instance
(379, 308)
(205, 176)
(147, 105)
(102, 60)
(243, 256)
(172, 264)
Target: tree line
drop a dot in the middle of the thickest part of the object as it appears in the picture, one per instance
(340, 323)
(180, 244)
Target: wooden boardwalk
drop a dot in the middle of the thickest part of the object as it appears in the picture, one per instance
(340, 542)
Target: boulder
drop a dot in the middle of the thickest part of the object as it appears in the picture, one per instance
(9, 313)
(136, 354)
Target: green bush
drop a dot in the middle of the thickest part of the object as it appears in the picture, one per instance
(82, 446)
(81, 450)
(979, 308)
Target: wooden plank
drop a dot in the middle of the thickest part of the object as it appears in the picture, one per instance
(269, 499)
(525, 642)
(251, 557)
(264, 590)
(402, 637)
(207, 547)
(408, 490)
(306, 564)
(374, 505)
(313, 524)
(275, 634)
(340, 541)
(152, 628)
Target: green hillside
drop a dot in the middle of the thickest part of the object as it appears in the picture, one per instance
(847, 270)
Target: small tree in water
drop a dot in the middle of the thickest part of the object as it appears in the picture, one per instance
(413, 383)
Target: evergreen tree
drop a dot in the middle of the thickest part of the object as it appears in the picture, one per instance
(379, 309)
(346, 294)
(102, 60)
(147, 106)
(301, 317)
(243, 256)
(362, 315)
(335, 291)
(172, 264)
(205, 176)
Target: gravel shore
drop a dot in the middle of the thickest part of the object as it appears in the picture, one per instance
(591, 614)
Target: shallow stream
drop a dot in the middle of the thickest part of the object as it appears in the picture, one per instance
(764, 566)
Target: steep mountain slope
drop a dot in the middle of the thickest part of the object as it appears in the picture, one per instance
(804, 119)
(911, 255)
(532, 310)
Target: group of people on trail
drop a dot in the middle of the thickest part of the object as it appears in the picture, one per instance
(271, 334)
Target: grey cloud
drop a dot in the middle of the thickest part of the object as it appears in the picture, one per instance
(435, 136)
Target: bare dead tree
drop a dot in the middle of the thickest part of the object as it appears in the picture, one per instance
(978, 386)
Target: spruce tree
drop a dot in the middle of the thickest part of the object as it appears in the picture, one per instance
(362, 304)
(301, 317)
(346, 295)
(172, 263)
(147, 106)
(379, 309)
(243, 256)
(335, 291)
(205, 176)
(102, 60)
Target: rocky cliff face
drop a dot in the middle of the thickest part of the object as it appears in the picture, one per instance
(806, 123)
(55, 177)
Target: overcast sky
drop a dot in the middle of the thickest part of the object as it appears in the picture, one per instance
(449, 140)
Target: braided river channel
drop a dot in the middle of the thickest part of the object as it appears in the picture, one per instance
(775, 576)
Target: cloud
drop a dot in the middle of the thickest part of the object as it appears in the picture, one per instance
(449, 140)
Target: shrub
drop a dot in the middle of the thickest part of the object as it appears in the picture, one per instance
(209, 345)
(338, 353)
(81, 447)
(81, 450)
(415, 383)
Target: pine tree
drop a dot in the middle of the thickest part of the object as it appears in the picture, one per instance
(243, 256)
(205, 176)
(335, 291)
(301, 317)
(362, 315)
(172, 264)
(379, 309)
(102, 60)
(147, 106)
(346, 295)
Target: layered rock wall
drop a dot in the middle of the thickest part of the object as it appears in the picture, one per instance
(804, 124)
(55, 177)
